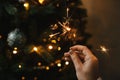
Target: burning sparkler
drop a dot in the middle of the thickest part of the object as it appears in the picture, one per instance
(67, 32)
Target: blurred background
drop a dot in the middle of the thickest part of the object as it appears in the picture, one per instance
(34, 34)
(104, 25)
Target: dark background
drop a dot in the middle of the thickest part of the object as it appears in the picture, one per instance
(104, 25)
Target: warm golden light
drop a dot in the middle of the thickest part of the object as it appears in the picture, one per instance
(39, 63)
(53, 41)
(52, 35)
(58, 39)
(59, 48)
(68, 28)
(50, 47)
(47, 67)
(59, 65)
(26, 5)
(67, 63)
(103, 49)
(41, 1)
(23, 78)
(15, 52)
(19, 66)
(67, 12)
(35, 49)
(15, 48)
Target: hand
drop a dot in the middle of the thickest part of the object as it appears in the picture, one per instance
(86, 64)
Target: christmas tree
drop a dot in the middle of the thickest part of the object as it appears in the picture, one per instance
(34, 34)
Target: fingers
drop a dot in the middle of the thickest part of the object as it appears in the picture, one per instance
(76, 59)
(79, 54)
(67, 56)
(82, 49)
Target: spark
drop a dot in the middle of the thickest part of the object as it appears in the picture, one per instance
(54, 27)
(103, 49)
(67, 31)
(52, 35)
(65, 27)
(67, 12)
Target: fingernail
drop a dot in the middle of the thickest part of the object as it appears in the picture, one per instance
(70, 51)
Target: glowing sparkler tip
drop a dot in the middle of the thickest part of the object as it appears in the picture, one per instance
(68, 9)
(103, 49)
(68, 28)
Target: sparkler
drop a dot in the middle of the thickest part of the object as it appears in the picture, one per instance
(67, 32)
(67, 12)
(52, 35)
(103, 49)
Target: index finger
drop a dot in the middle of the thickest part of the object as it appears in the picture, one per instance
(82, 49)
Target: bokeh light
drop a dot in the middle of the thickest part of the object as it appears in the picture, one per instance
(26, 5)
(41, 1)
(50, 47)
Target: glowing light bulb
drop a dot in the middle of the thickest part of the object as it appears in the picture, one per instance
(15, 48)
(74, 35)
(50, 47)
(20, 66)
(39, 63)
(41, 1)
(67, 63)
(47, 67)
(59, 48)
(15, 52)
(59, 65)
(26, 5)
(53, 41)
(35, 49)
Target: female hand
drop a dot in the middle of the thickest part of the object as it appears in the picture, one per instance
(85, 63)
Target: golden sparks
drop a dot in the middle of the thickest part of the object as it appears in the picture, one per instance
(103, 49)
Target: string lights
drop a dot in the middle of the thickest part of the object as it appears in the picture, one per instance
(26, 5)
(34, 52)
(41, 1)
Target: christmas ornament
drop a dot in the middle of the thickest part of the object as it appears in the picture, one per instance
(16, 38)
(11, 9)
